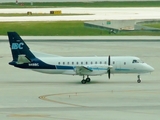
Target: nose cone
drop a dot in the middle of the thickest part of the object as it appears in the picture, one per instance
(149, 68)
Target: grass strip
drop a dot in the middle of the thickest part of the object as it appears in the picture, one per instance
(154, 25)
(49, 28)
(82, 4)
(62, 28)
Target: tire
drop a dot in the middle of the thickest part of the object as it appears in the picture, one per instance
(83, 81)
(138, 81)
(88, 79)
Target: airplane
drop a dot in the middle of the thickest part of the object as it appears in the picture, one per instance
(24, 58)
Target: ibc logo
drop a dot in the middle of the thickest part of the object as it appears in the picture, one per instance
(16, 46)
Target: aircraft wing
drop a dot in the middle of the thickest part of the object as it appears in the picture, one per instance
(92, 69)
(82, 69)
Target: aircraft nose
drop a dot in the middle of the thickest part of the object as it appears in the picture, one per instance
(149, 68)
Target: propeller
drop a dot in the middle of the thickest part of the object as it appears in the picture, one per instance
(109, 67)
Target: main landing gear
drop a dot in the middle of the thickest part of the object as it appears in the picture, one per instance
(84, 81)
(139, 79)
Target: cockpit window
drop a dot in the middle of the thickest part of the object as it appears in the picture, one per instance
(134, 61)
(137, 61)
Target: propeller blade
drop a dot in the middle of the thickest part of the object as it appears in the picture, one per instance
(109, 74)
(109, 63)
(109, 60)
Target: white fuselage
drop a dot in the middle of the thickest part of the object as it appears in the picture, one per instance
(99, 65)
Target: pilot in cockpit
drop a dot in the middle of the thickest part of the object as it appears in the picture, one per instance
(137, 61)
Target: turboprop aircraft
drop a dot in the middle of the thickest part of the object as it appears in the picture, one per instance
(83, 66)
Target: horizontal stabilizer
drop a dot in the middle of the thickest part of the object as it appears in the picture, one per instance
(23, 59)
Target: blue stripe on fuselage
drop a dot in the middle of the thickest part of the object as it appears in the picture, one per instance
(35, 64)
(65, 67)
(122, 69)
(38, 64)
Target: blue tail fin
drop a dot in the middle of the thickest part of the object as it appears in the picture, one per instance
(19, 47)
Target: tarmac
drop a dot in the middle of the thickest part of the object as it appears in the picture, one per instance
(84, 14)
(4, 38)
(26, 94)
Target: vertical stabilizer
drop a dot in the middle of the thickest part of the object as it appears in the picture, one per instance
(18, 47)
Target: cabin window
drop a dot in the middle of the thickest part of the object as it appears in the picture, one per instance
(113, 62)
(63, 63)
(100, 62)
(81, 63)
(68, 63)
(124, 63)
(91, 62)
(77, 63)
(105, 62)
(96, 62)
(72, 63)
(86, 63)
(59, 63)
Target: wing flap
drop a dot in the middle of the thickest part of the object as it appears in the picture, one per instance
(82, 69)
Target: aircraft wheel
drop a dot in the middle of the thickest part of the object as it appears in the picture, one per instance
(139, 81)
(88, 79)
(83, 81)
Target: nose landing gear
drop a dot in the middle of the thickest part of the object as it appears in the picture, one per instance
(139, 79)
